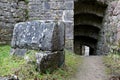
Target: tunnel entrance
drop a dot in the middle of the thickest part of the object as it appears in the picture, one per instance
(88, 18)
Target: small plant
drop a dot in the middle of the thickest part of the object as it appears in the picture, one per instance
(26, 14)
(26, 1)
(112, 61)
(8, 63)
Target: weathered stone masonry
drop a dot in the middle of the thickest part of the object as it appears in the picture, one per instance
(110, 34)
(14, 11)
(96, 24)
(23, 10)
(46, 37)
(60, 10)
(11, 12)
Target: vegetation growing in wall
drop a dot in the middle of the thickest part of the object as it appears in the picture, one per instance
(10, 65)
(26, 1)
(26, 14)
(112, 61)
(26, 10)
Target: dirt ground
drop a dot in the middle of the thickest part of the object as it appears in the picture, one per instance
(92, 68)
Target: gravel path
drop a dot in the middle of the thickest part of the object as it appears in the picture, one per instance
(92, 68)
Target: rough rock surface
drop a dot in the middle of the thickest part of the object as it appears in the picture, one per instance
(39, 35)
(49, 61)
(3, 78)
(18, 51)
(45, 36)
(14, 77)
(14, 11)
(110, 31)
(11, 12)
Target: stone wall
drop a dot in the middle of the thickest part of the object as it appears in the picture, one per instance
(11, 12)
(110, 32)
(14, 11)
(60, 10)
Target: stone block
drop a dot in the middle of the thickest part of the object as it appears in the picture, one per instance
(69, 44)
(69, 5)
(68, 15)
(69, 30)
(49, 61)
(57, 5)
(46, 6)
(18, 52)
(39, 35)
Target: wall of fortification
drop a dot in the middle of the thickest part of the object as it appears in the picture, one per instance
(60, 10)
(14, 11)
(110, 33)
(11, 12)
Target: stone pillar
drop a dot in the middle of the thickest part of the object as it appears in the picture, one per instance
(68, 18)
(69, 36)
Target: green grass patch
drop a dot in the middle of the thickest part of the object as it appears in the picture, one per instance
(112, 61)
(8, 63)
(27, 71)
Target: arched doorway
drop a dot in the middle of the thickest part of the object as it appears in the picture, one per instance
(88, 18)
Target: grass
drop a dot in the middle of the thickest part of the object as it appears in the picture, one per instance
(10, 65)
(112, 61)
(7, 62)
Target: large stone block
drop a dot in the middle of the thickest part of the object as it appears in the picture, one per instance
(39, 35)
(49, 61)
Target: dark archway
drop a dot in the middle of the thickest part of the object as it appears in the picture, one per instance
(88, 18)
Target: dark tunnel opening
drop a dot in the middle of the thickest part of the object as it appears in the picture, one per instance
(88, 18)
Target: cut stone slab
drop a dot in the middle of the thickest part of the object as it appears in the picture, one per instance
(49, 61)
(18, 51)
(39, 35)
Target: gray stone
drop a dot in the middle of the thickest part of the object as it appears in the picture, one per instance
(109, 33)
(69, 30)
(68, 15)
(69, 5)
(49, 61)
(3, 78)
(61, 35)
(14, 11)
(39, 35)
(8, 16)
(17, 51)
(13, 77)
(46, 5)
(69, 44)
